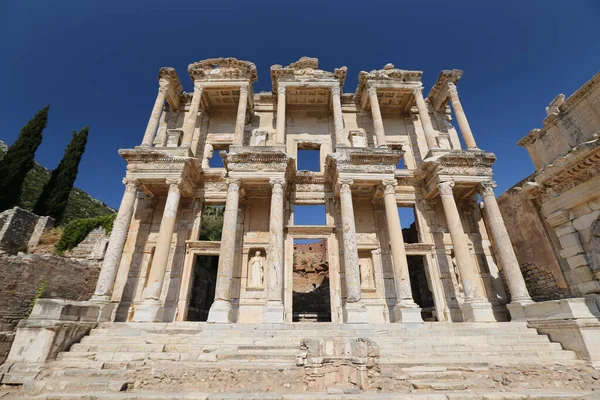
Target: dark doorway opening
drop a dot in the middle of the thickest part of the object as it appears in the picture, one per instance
(311, 297)
(420, 290)
(203, 287)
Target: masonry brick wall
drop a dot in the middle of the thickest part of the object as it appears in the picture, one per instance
(16, 227)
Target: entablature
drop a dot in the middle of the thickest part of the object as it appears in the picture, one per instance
(440, 92)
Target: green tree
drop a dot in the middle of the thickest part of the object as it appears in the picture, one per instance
(212, 223)
(19, 159)
(54, 196)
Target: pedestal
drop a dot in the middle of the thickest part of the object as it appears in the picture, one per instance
(148, 311)
(407, 315)
(517, 310)
(273, 313)
(221, 312)
(355, 313)
(477, 312)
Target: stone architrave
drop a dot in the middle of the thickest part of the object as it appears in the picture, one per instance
(189, 124)
(156, 113)
(151, 308)
(274, 310)
(110, 264)
(475, 308)
(280, 125)
(240, 121)
(354, 310)
(406, 310)
(425, 119)
(338, 120)
(504, 249)
(461, 118)
(221, 310)
(377, 119)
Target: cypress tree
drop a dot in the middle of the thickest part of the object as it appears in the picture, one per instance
(20, 159)
(54, 196)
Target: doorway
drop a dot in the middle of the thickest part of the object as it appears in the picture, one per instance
(204, 281)
(311, 296)
(420, 289)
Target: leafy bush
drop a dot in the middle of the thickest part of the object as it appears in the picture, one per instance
(212, 223)
(78, 229)
(38, 294)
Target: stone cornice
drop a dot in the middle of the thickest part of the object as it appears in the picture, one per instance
(174, 89)
(305, 69)
(223, 69)
(439, 93)
(389, 74)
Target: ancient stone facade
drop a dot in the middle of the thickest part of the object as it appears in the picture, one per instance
(558, 207)
(362, 137)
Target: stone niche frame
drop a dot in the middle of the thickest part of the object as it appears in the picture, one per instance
(193, 248)
(312, 232)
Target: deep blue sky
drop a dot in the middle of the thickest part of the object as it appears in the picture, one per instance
(96, 62)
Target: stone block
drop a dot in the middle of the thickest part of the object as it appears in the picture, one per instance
(571, 251)
(564, 229)
(64, 310)
(577, 261)
(594, 204)
(578, 275)
(559, 217)
(569, 240)
(580, 210)
(585, 221)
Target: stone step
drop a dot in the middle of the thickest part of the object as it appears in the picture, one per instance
(180, 348)
(62, 384)
(440, 385)
(465, 357)
(93, 373)
(440, 346)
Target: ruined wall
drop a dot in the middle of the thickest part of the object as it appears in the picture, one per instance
(22, 276)
(539, 263)
(16, 227)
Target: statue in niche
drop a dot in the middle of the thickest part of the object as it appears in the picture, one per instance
(256, 270)
(366, 274)
(456, 274)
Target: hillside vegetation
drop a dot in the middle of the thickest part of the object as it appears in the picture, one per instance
(80, 204)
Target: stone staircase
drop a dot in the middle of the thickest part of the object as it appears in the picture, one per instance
(149, 361)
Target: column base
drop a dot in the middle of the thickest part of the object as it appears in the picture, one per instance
(355, 313)
(407, 315)
(273, 313)
(106, 308)
(517, 309)
(148, 311)
(221, 312)
(479, 311)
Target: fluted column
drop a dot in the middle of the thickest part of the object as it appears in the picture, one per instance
(338, 120)
(151, 308)
(506, 254)
(112, 257)
(221, 310)
(240, 122)
(189, 124)
(461, 118)
(424, 117)
(155, 115)
(274, 310)
(475, 307)
(405, 310)
(377, 119)
(280, 127)
(354, 310)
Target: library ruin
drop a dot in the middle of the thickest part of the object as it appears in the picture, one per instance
(410, 269)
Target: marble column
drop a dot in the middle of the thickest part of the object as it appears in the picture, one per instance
(280, 126)
(338, 120)
(151, 308)
(221, 310)
(189, 124)
(155, 115)
(377, 119)
(461, 118)
(503, 246)
(425, 119)
(112, 257)
(406, 310)
(475, 307)
(240, 122)
(354, 310)
(274, 310)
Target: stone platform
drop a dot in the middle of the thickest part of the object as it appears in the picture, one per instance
(308, 361)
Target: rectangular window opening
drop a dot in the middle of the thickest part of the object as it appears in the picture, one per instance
(311, 296)
(309, 157)
(410, 231)
(313, 214)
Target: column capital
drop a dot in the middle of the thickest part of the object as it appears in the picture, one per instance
(244, 87)
(372, 90)
(389, 186)
(164, 86)
(277, 183)
(335, 89)
(131, 184)
(175, 185)
(486, 188)
(281, 88)
(198, 86)
(344, 184)
(452, 91)
(445, 188)
(233, 183)
(418, 90)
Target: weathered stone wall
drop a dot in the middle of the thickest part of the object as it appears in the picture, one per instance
(21, 277)
(539, 263)
(92, 247)
(16, 227)
(6, 340)
(311, 288)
